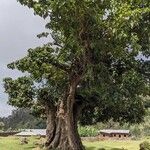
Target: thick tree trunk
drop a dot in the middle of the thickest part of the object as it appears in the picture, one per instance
(71, 118)
(62, 132)
(51, 124)
(56, 135)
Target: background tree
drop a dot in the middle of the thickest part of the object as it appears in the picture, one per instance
(23, 119)
(2, 125)
(96, 45)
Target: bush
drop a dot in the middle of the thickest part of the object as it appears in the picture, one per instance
(136, 131)
(87, 131)
(145, 146)
(135, 138)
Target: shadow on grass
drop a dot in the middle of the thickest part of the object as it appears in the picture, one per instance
(29, 148)
(94, 148)
(90, 148)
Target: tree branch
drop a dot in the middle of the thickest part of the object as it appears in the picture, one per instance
(59, 65)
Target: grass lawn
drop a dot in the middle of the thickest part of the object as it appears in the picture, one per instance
(108, 145)
(13, 143)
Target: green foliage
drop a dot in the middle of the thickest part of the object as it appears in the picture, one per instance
(21, 91)
(142, 129)
(2, 125)
(145, 145)
(137, 131)
(87, 131)
(23, 119)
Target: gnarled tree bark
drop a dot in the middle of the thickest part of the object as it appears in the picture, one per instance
(71, 120)
(62, 132)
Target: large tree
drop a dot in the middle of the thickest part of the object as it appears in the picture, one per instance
(92, 60)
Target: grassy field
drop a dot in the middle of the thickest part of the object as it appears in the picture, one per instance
(13, 143)
(108, 145)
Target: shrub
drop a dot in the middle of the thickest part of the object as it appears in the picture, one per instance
(136, 131)
(135, 138)
(87, 131)
(145, 146)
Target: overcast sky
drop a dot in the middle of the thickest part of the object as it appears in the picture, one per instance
(18, 30)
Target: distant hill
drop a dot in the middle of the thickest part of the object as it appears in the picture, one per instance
(22, 119)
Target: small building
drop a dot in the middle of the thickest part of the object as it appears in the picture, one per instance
(32, 132)
(114, 134)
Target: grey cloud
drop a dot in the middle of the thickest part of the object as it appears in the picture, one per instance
(18, 30)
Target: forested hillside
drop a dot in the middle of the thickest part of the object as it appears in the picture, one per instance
(21, 119)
